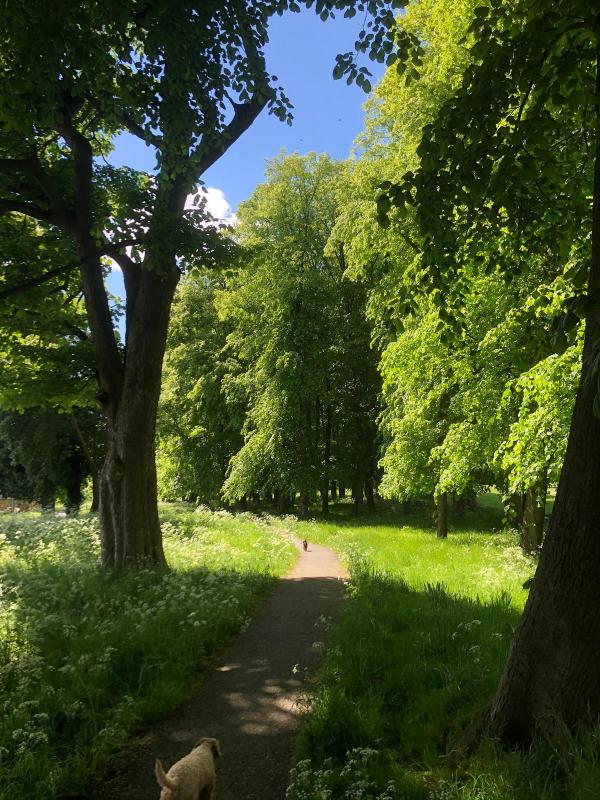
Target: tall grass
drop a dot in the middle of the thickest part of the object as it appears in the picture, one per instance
(86, 655)
(415, 660)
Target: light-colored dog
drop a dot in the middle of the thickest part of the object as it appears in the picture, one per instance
(193, 776)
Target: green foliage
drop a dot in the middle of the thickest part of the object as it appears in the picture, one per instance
(537, 439)
(43, 447)
(416, 389)
(472, 294)
(87, 656)
(298, 329)
(45, 350)
(201, 410)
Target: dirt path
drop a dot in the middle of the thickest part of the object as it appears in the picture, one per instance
(252, 701)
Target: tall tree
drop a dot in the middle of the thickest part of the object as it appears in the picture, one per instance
(519, 146)
(299, 329)
(201, 407)
(187, 78)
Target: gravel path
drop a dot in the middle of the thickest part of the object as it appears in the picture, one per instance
(251, 702)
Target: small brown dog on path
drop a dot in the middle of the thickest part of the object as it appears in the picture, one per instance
(305, 545)
(193, 776)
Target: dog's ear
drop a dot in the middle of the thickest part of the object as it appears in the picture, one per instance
(213, 744)
(161, 777)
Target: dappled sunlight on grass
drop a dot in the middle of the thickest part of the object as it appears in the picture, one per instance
(416, 658)
(478, 559)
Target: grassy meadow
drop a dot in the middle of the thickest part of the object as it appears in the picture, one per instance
(416, 657)
(88, 656)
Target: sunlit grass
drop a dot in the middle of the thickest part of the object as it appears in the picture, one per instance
(478, 559)
(415, 660)
(87, 655)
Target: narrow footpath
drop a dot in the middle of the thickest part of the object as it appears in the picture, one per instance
(252, 702)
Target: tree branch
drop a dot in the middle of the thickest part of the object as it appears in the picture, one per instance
(29, 209)
(96, 299)
(139, 131)
(41, 279)
(244, 116)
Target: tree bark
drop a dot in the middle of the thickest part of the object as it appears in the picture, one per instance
(442, 515)
(327, 458)
(95, 493)
(532, 530)
(130, 528)
(325, 498)
(303, 504)
(284, 504)
(357, 495)
(91, 462)
(370, 494)
(513, 510)
(552, 667)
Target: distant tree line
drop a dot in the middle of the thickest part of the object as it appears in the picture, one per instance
(270, 384)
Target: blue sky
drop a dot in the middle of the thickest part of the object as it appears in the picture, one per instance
(328, 114)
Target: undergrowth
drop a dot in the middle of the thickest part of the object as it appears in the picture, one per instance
(414, 661)
(87, 656)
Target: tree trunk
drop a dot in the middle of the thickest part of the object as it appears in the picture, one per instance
(552, 668)
(130, 528)
(284, 504)
(95, 493)
(327, 458)
(357, 495)
(333, 491)
(325, 498)
(513, 509)
(303, 504)
(442, 515)
(370, 494)
(341, 491)
(532, 530)
(91, 462)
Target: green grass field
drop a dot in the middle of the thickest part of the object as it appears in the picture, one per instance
(87, 656)
(416, 657)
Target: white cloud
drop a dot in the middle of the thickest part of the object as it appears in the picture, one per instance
(216, 204)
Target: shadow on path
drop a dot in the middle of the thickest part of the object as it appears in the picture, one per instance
(252, 702)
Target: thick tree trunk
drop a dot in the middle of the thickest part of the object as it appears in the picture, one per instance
(357, 495)
(129, 524)
(442, 515)
(532, 530)
(303, 504)
(552, 668)
(130, 528)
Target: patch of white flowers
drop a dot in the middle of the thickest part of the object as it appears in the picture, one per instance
(81, 649)
(351, 781)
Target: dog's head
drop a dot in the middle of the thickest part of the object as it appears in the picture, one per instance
(212, 744)
(169, 789)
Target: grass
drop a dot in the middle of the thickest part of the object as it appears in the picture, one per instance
(415, 659)
(87, 656)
